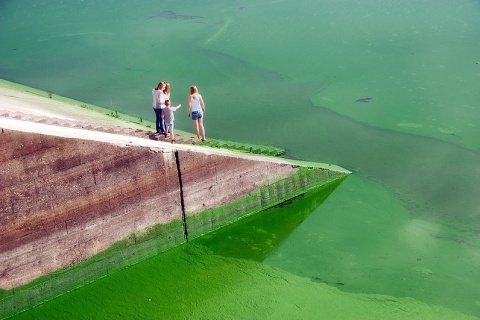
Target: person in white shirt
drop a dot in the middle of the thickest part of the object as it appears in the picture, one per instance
(196, 108)
(158, 105)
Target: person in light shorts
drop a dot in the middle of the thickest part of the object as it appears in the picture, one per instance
(168, 118)
(196, 108)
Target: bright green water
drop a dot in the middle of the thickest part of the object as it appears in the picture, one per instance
(288, 73)
(260, 269)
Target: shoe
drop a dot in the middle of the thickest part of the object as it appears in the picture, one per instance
(173, 141)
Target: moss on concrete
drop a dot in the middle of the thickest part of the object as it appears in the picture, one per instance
(264, 197)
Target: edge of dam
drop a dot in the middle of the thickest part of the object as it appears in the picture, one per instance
(78, 203)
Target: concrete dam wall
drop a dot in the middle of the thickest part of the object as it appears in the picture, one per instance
(65, 200)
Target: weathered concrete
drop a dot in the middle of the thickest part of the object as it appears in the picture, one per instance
(64, 200)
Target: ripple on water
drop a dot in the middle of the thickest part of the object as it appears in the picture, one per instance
(410, 124)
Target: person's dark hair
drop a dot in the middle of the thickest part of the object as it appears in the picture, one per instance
(160, 84)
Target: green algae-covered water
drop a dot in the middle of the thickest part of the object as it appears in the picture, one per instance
(387, 89)
(284, 262)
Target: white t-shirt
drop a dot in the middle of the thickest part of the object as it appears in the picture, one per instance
(155, 98)
(162, 97)
(158, 99)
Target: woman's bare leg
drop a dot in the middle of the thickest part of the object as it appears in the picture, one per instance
(195, 123)
(202, 128)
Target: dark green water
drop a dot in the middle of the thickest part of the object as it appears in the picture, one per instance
(288, 73)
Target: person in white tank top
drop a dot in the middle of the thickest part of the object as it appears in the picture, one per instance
(196, 108)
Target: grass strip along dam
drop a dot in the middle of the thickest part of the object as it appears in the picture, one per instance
(78, 203)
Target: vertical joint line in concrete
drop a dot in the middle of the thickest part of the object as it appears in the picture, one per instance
(182, 202)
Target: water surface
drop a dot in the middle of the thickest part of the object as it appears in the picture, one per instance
(405, 224)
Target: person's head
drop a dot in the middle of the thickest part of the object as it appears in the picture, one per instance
(166, 89)
(193, 89)
(161, 85)
(167, 103)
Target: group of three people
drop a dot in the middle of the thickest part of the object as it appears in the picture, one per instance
(164, 116)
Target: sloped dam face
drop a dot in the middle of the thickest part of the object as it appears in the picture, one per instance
(87, 208)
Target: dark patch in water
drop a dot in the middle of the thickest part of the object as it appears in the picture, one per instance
(288, 201)
(364, 100)
(171, 15)
(318, 279)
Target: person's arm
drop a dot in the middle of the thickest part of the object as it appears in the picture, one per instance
(189, 106)
(202, 104)
(157, 98)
